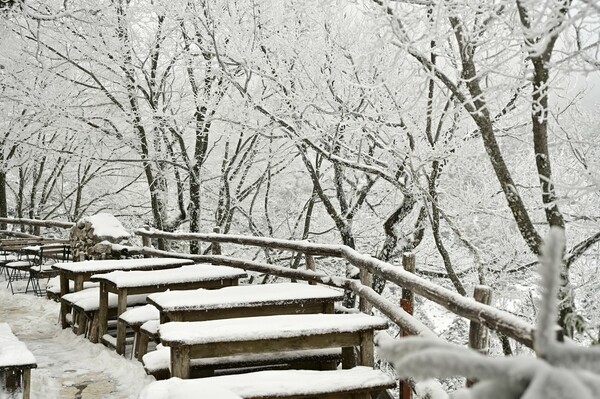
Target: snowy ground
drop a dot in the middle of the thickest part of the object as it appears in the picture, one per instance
(69, 367)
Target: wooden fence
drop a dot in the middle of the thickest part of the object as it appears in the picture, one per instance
(482, 315)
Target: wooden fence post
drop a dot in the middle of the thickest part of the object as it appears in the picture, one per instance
(366, 279)
(146, 240)
(310, 265)
(479, 334)
(215, 246)
(407, 303)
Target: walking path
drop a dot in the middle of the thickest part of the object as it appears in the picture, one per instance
(69, 367)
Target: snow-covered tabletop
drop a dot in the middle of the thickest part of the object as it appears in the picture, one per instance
(172, 389)
(185, 274)
(242, 296)
(273, 383)
(13, 353)
(265, 328)
(105, 266)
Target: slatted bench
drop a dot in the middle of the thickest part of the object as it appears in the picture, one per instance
(16, 362)
(244, 300)
(156, 363)
(53, 288)
(355, 383)
(80, 272)
(85, 305)
(135, 318)
(125, 283)
(248, 335)
(239, 301)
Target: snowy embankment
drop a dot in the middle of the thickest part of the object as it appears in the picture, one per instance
(69, 366)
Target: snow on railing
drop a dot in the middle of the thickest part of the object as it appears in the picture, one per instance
(486, 315)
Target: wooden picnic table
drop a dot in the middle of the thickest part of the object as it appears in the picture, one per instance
(80, 272)
(249, 335)
(124, 283)
(16, 362)
(242, 301)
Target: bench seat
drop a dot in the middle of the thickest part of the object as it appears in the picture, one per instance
(157, 363)
(53, 287)
(355, 383)
(135, 318)
(16, 362)
(85, 305)
(228, 337)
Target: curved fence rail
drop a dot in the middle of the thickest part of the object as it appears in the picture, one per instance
(486, 315)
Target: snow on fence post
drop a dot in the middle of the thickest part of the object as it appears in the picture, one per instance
(215, 246)
(407, 303)
(310, 265)
(478, 333)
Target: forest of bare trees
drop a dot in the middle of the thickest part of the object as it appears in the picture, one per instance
(462, 130)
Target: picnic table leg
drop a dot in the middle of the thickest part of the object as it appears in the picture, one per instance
(121, 327)
(348, 358)
(64, 308)
(142, 346)
(102, 312)
(78, 283)
(367, 357)
(180, 362)
(26, 383)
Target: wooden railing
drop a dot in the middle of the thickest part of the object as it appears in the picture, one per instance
(479, 312)
(482, 314)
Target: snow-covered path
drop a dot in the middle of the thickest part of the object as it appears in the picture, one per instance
(69, 367)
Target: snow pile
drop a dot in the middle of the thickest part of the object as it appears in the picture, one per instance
(560, 371)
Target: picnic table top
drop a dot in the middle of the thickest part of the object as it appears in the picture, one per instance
(13, 353)
(184, 274)
(242, 296)
(99, 266)
(265, 328)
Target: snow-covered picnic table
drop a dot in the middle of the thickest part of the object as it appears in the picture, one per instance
(248, 335)
(16, 362)
(124, 283)
(357, 382)
(80, 272)
(241, 301)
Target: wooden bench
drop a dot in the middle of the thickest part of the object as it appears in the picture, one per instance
(156, 363)
(16, 362)
(240, 301)
(85, 305)
(80, 272)
(246, 300)
(135, 318)
(249, 335)
(124, 283)
(355, 383)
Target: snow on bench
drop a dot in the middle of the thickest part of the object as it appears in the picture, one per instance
(86, 303)
(53, 287)
(124, 283)
(157, 363)
(227, 337)
(193, 305)
(102, 266)
(184, 274)
(16, 362)
(281, 384)
(135, 318)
